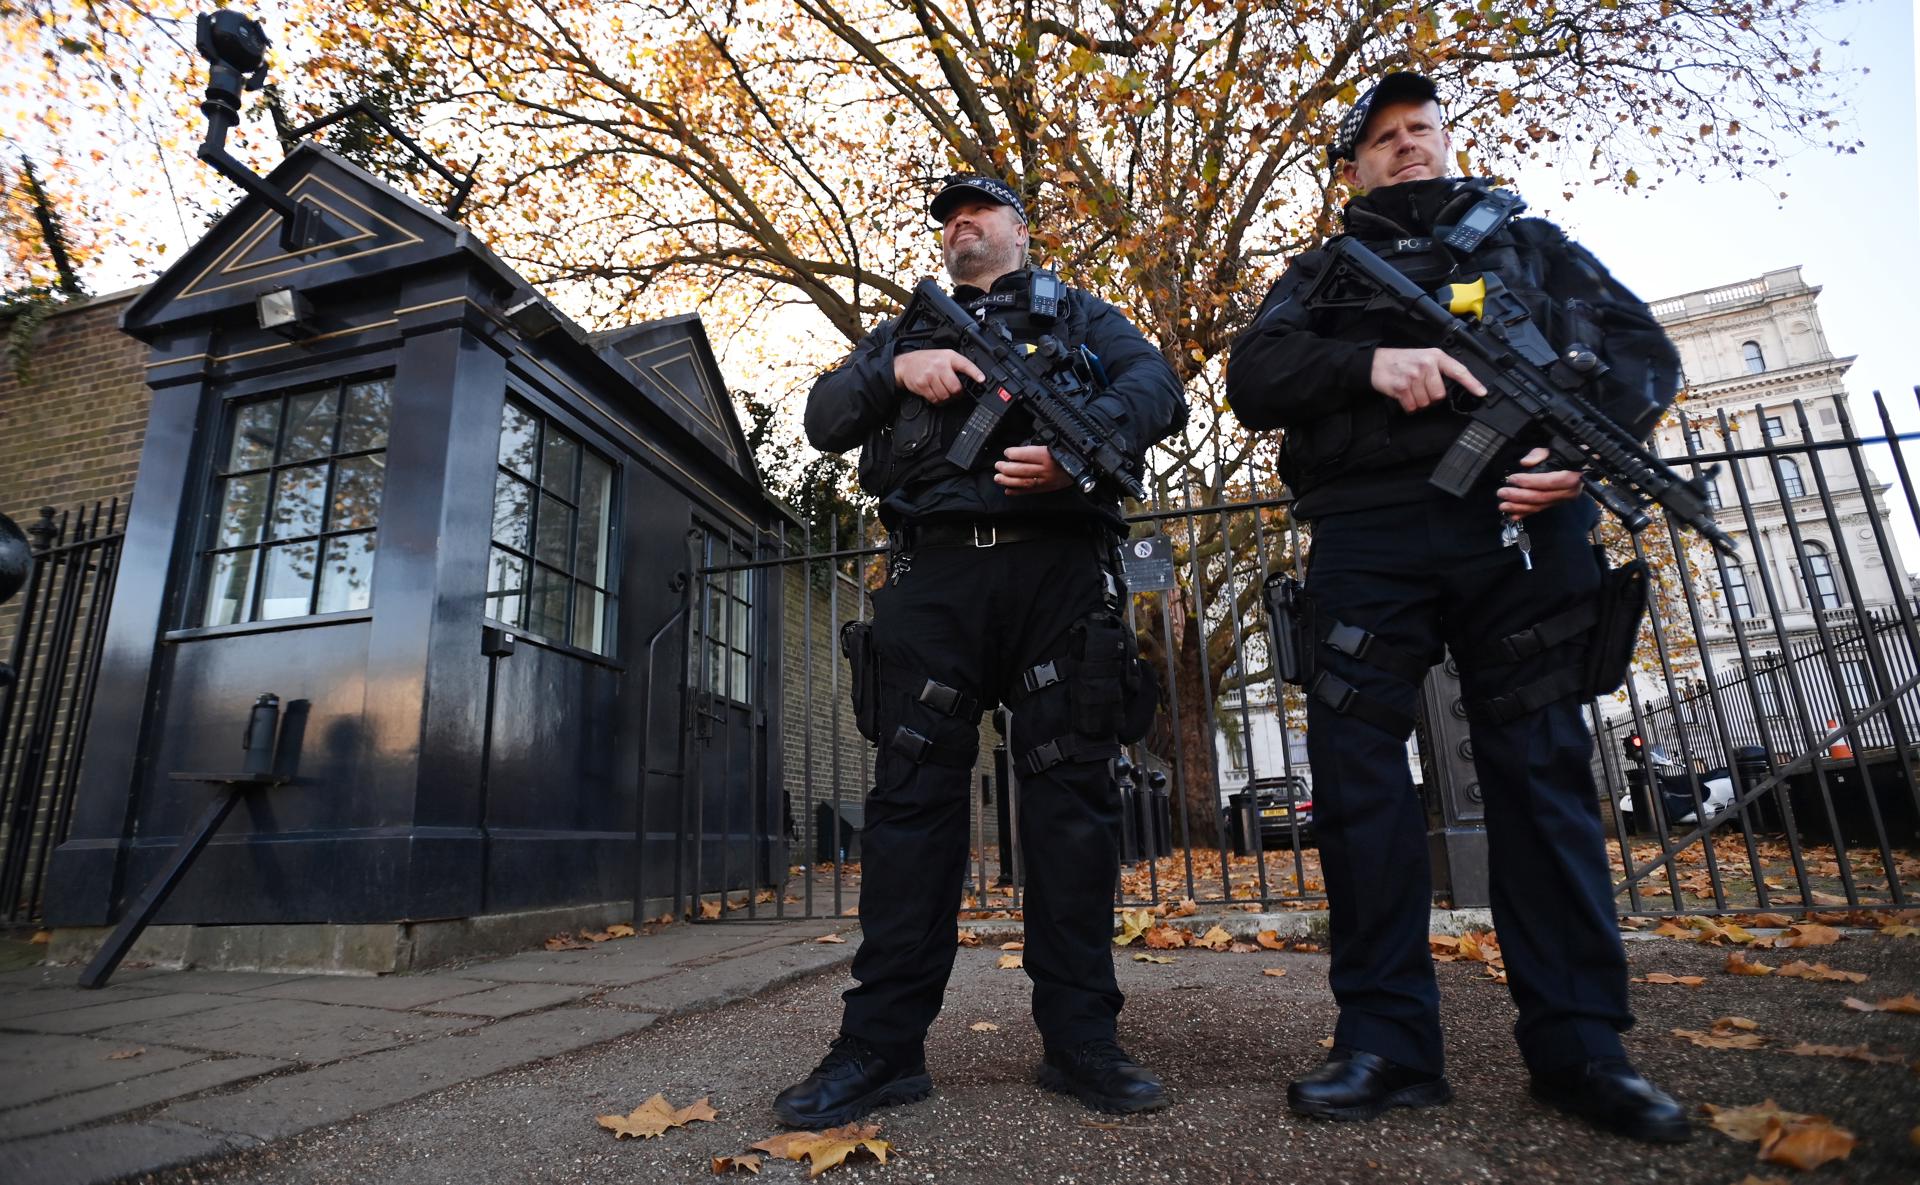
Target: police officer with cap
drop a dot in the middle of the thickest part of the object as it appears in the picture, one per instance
(1505, 577)
(1002, 586)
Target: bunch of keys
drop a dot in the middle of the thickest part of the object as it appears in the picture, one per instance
(1512, 534)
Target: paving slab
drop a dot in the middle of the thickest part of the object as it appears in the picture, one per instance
(510, 999)
(105, 1102)
(716, 984)
(589, 968)
(97, 1155)
(293, 1103)
(35, 1066)
(40, 1001)
(224, 982)
(300, 1030)
(111, 1012)
(399, 992)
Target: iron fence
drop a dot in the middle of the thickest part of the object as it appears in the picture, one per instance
(57, 634)
(1776, 703)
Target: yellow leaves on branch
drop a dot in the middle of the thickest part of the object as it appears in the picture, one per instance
(825, 1150)
(655, 1116)
(1786, 1137)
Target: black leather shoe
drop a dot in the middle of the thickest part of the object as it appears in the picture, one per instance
(1355, 1084)
(1101, 1075)
(855, 1077)
(1612, 1095)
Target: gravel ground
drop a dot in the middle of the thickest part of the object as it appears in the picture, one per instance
(1225, 1037)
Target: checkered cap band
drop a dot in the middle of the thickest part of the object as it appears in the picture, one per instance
(1391, 89)
(957, 188)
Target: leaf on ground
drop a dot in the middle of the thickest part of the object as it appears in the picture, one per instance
(1737, 964)
(969, 938)
(1679, 980)
(1143, 957)
(1275, 972)
(1010, 962)
(621, 930)
(1015, 945)
(1909, 1004)
(824, 1150)
(736, 1164)
(1821, 973)
(1748, 1124)
(1306, 948)
(851, 911)
(597, 935)
(1675, 930)
(1133, 923)
(984, 1026)
(1165, 938)
(655, 1116)
(665, 919)
(1184, 908)
(1270, 940)
(1326, 1042)
(1721, 1038)
(1855, 1053)
(42, 937)
(1808, 934)
(830, 938)
(566, 942)
(1243, 948)
(121, 1055)
(1891, 930)
(1216, 938)
(1805, 1144)
(709, 909)
(1769, 921)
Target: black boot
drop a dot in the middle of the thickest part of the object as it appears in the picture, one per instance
(1354, 1084)
(855, 1077)
(1101, 1075)
(1612, 1095)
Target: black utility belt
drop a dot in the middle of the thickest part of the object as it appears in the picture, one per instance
(991, 532)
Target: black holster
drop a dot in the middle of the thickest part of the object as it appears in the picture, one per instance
(1616, 629)
(856, 642)
(1290, 622)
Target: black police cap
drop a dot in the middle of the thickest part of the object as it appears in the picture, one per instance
(1394, 88)
(963, 186)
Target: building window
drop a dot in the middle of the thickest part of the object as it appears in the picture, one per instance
(1776, 429)
(1790, 484)
(727, 613)
(1737, 595)
(1755, 360)
(296, 499)
(550, 570)
(1713, 493)
(1854, 678)
(1766, 686)
(1817, 574)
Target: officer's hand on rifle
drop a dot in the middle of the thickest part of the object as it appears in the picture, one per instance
(1030, 469)
(1416, 379)
(934, 375)
(1529, 493)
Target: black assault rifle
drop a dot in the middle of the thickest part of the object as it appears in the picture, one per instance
(1083, 448)
(1485, 328)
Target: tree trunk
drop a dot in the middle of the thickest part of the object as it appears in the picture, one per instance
(1195, 740)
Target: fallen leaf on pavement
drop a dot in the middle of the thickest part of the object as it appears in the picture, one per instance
(824, 1150)
(1147, 958)
(851, 911)
(1216, 939)
(1010, 962)
(984, 1026)
(1737, 964)
(1735, 1024)
(1270, 939)
(1165, 938)
(829, 938)
(665, 919)
(1306, 948)
(42, 937)
(1133, 924)
(969, 938)
(1243, 948)
(620, 930)
(654, 1116)
(1802, 935)
(1769, 921)
(1326, 1042)
(1821, 973)
(1892, 930)
(121, 1055)
(1722, 1038)
(597, 935)
(1184, 908)
(732, 1164)
(566, 942)
(1016, 945)
(1748, 1124)
(1857, 1053)
(1276, 972)
(710, 909)
(1805, 1144)
(1908, 1004)
(1663, 977)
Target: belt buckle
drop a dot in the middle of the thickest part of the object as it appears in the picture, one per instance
(993, 535)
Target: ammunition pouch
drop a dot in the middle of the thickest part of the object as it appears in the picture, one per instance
(1610, 622)
(1111, 692)
(856, 642)
(1616, 630)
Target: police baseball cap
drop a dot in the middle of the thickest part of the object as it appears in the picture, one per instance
(1394, 88)
(962, 186)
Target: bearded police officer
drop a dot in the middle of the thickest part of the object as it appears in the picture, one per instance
(1504, 576)
(1002, 586)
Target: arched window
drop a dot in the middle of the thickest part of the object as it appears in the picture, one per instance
(1790, 484)
(1817, 573)
(1756, 361)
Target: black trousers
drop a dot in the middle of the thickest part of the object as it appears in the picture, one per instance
(974, 619)
(1418, 576)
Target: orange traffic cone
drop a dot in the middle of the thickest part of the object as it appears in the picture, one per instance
(1840, 750)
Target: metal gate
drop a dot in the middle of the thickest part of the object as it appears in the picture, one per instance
(57, 633)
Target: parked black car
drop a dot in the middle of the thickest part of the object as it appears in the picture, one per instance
(1281, 803)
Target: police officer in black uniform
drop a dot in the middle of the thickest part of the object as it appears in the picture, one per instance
(1002, 586)
(1505, 577)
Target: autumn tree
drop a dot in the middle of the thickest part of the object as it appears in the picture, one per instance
(768, 164)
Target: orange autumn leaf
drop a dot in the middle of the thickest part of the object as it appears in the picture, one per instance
(826, 1149)
(710, 909)
(1166, 938)
(1738, 964)
(1678, 980)
(1909, 1004)
(1144, 957)
(1808, 934)
(1270, 940)
(1749, 1123)
(1015, 945)
(1216, 938)
(655, 1116)
(620, 930)
(730, 1164)
(1821, 973)
(969, 938)
(829, 938)
(1010, 962)
(1857, 1053)
(1805, 1144)
(1275, 972)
